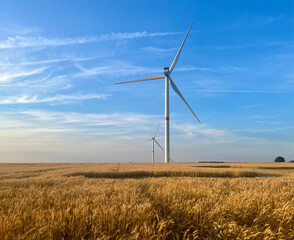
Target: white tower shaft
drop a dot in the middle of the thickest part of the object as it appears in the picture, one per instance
(152, 150)
(167, 153)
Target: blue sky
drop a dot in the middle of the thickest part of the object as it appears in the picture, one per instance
(59, 60)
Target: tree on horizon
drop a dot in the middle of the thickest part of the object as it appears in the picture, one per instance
(279, 159)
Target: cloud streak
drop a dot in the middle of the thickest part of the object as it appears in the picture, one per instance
(232, 91)
(115, 68)
(58, 98)
(91, 119)
(8, 76)
(23, 41)
(158, 50)
(119, 125)
(56, 60)
(118, 68)
(203, 132)
(209, 69)
(18, 29)
(251, 45)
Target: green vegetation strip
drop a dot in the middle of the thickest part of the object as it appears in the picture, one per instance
(210, 166)
(146, 174)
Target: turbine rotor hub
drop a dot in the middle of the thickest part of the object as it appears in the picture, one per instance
(166, 71)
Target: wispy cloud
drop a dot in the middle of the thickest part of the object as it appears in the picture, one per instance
(229, 69)
(264, 130)
(185, 132)
(261, 117)
(232, 91)
(41, 62)
(250, 45)
(252, 106)
(11, 74)
(83, 126)
(158, 50)
(58, 98)
(18, 29)
(114, 68)
(118, 68)
(115, 119)
(83, 133)
(123, 125)
(22, 42)
(40, 84)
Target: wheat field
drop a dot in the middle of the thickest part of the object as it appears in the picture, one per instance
(147, 201)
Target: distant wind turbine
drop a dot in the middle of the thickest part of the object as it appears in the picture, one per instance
(154, 140)
(167, 71)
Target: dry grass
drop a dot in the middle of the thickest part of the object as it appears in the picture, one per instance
(41, 201)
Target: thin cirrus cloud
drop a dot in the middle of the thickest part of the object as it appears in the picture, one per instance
(232, 91)
(254, 130)
(193, 130)
(23, 41)
(58, 98)
(209, 69)
(88, 119)
(158, 50)
(34, 123)
(118, 68)
(44, 83)
(130, 122)
(7, 76)
(18, 29)
(114, 68)
(252, 45)
(57, 60)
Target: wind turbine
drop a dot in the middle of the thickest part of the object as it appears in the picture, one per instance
(167, 71)
(154, 140)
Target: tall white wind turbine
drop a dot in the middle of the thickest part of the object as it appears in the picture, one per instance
(154, 140)
(167, 71)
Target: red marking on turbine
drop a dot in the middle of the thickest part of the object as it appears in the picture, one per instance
(166, 118)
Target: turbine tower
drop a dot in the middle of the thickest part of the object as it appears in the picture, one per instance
(167, 71)
(154, 140)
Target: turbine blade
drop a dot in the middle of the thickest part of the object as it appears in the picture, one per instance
(158, 144)
(181, 96)
(156, 130)
(154, 77)
(149, 139)
(172, 66)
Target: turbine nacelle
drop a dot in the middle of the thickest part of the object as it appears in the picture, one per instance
(166, 71)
